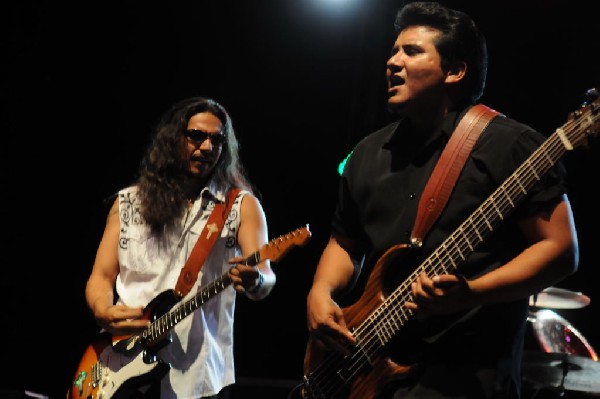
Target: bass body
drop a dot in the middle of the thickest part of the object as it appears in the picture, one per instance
(367, 369)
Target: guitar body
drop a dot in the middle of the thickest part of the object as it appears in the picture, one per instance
(370, 379)
(113, 367)
(104, 372)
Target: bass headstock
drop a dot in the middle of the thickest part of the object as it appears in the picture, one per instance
(584, 123)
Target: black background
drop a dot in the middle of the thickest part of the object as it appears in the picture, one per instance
(83, 83)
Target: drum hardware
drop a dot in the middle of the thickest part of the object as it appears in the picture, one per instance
(561, 371)
(559, 298)
(557, 335)
(567, 361)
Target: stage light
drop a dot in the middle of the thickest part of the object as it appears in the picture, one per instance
(336, 5)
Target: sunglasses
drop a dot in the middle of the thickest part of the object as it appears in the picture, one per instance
(199, 136)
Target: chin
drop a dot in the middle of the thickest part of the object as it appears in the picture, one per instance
(196, 173)
(395, 106)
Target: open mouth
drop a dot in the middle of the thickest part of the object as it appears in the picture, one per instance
(396, 81)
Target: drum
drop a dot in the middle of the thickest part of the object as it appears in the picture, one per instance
(566, 362)
(556, 335)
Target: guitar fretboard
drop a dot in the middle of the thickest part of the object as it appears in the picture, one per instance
(163, 324)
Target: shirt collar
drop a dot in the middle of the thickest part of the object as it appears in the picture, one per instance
(449, 124)
(214, 191)
(404, 134)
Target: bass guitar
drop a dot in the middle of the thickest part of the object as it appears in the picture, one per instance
(377, 318)
(112, 367)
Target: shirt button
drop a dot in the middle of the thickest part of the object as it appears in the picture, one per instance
(412, 195)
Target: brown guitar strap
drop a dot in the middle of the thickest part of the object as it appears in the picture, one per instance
(446, 171)
(210, 233)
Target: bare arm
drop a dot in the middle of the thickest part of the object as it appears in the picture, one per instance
(253, 234)
(334, 272)
(552, 256)
(100, 284)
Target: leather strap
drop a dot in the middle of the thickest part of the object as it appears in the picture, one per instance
(451, 162)
(206, 240)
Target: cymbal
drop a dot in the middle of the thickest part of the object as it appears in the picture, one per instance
(561, 371)
(559, 298)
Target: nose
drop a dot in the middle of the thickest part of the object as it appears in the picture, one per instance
(207, 145)
(204, 146)
(395, 61)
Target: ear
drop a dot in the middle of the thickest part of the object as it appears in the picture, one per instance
(456, 72)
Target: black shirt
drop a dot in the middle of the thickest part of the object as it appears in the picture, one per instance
(378, 197)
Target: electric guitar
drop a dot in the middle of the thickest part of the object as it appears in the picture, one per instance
(112, 367)
(376, 318)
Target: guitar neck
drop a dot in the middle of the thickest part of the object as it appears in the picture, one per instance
(472, 232)
(163, 324)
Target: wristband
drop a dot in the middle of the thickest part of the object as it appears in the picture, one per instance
(263, 287)
(256, 287)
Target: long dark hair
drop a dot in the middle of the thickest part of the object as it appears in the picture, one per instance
(162, 170)
(460, 40)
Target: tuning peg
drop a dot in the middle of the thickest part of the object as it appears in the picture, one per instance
(591, 95)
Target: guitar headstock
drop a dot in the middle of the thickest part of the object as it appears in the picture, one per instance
(278, 247)
(584, 123)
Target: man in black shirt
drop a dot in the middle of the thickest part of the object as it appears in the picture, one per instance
(466, 337)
